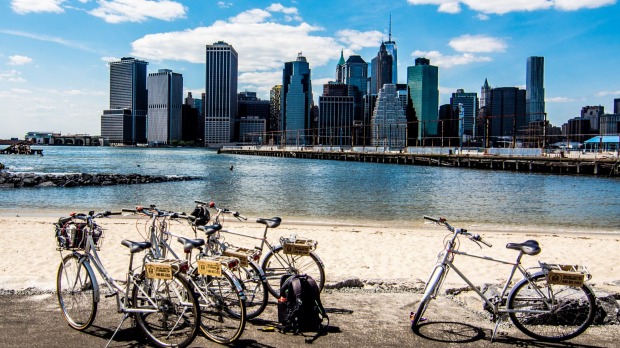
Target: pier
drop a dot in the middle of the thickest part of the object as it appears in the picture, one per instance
(520, 160)
(20, 148)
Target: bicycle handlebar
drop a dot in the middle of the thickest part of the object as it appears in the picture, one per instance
(474, 237)
(93, 215)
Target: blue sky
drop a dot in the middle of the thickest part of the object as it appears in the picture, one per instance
(53, 53)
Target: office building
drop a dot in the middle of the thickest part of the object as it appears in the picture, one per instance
(335, 119)
(593, 113)
(610, 124)
(617, 106)
(423, 84)
(389, 121)
(448, 129)
(275, 99)
(220, 92)
(127, 92)
(252, 129)
(296, 102)
(390, 47)
(466, 105)
(250, 106)
(535, 89)
(506, 115)
(381, 69)
(165, 96)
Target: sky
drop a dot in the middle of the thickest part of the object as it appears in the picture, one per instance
(54, 54)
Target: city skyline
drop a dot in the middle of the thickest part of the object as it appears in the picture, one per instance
(56, 78)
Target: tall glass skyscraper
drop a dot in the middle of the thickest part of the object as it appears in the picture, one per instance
(221, 92)
(423, 84)
(535, 89)
(390, 47)
(165, 92)
(127, 92)
(381, 70)
(296, 102)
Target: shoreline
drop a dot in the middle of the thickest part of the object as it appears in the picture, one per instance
(377, 257)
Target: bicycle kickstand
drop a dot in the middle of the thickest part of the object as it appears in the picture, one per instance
(117, 328)
(498, 320)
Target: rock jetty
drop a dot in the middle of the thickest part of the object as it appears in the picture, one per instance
(16, 180)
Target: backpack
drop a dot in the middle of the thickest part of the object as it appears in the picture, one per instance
(299, 306)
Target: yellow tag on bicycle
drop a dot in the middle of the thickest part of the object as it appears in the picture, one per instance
(159, 271)
(575, 279)
(242, 254)
(209, 267)
(297, 248)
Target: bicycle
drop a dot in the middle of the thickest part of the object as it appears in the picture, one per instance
(162, 303)
(292, 256)
(221, 296)
(553, 304)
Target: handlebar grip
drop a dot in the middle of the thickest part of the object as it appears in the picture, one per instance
(115, 213)
(485, 243)
(128, 210)
(200, 202)
(431, 218)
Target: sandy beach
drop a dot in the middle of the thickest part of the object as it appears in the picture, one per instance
(371, 253)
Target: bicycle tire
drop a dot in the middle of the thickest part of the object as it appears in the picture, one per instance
(76, 289)
(429, 291)
(176, 318)
(277, 264)
(222, 307)
(255, 289)
(572, 310)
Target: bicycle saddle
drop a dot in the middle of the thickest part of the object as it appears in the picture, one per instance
(529, 247)
(271, 223)
(136, 247)
(189, 244)
(209, 230)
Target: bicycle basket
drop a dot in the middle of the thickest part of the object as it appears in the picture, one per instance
(297, 246)
(73, 236)
(571, 275)
(244, 255)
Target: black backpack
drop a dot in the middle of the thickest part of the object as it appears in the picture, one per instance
(299, 306)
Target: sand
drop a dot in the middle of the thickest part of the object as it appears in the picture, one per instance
(367, 252)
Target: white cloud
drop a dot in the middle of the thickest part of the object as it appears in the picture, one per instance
(559, 100)
(110, 59)
(77, 92)
(19, 60)
(46, 38)
(607, 93)
(11, 76)
(223, 4)
(356, 40)
(482, 17)
(477, 43)
(119, 11)
(291, 12)
(505, 6)
(36, 6)
(438, 59)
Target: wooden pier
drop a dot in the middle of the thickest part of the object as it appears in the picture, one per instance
(607, 166)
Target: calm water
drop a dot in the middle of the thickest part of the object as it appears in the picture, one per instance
(310, 190)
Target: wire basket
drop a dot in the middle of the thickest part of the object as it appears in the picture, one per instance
(294, 245)
(74, 236)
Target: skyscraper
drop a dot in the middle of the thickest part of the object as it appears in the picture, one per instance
(221, 92)
(335, 115)
(296, 102)
(356, 78)
(127, 92)
(381, 69)
(390, 47)
(275, 96)
(507, 113)
(165, 95)
(389, 122)
(423, 83)
(467, 105)
(535, 89)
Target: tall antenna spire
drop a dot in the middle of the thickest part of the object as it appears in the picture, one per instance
(390, 29)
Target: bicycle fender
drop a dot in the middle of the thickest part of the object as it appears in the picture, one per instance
(261, 273)
(84, 261)
(238, 285)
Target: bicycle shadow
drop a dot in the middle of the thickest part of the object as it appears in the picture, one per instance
(130, 335)
(454, 332)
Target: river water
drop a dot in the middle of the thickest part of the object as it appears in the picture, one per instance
(321, 190)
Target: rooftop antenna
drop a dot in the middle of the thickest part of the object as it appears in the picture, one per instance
(390, 29)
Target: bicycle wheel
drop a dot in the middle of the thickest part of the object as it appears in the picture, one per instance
(222, 307)
(171, 312)
(277, 263)
(430, 290)
(256, 294)
(550, 312)
(75, 287)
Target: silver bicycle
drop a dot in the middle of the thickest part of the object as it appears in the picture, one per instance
(221, 296)
(552, 304)
(154, 293)
(292, 256)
